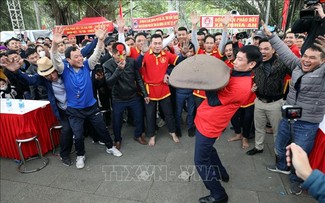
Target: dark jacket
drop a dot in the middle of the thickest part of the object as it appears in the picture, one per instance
(36, 80)
(105, 58)
(314, 28)
(123, 82)
(37, 92)
(21, 86)
(270, 87)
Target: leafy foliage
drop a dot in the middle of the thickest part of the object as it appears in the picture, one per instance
(65, 12)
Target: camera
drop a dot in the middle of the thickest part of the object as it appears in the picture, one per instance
(309, 12)
(313, 2)
(291, 112)
(98, 68)
(233, 12)
(241, 35)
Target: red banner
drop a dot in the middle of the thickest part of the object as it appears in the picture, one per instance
(238, 22)
(165, 20)
(285, 14)
(86, 29)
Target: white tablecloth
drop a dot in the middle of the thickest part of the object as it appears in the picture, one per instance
(30, 105)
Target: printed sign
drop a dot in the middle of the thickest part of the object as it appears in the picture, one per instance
(165, 20)
(238, 22)
(86, 29)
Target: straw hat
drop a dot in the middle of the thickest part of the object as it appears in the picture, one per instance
(45, 66)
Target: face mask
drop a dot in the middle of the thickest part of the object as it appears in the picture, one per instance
(41, 54)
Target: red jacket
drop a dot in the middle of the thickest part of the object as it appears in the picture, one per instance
(212, 120)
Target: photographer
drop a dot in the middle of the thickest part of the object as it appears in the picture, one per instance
(313, 26)
(306, 90)
(314, 179)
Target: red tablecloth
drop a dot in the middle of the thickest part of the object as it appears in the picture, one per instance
(37, 121)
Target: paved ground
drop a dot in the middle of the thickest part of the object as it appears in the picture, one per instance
(145, 174)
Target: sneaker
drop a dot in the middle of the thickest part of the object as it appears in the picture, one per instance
(80, 162)
(114, 151)
(295, 188)
(275, 169)
(66, 161)
(101, 143)
(98, 142)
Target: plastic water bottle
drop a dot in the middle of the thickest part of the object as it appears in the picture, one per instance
(9, 104)
(21, 105)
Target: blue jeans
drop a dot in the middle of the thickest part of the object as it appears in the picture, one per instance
(180, 100)
(208, 165)
(136, 108)
(304, 134)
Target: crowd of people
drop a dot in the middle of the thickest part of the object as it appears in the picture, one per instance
(126, 77)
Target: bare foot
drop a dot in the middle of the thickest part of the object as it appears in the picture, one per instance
(245, 144)
(175, 138)
(152, 141)
(235, 138)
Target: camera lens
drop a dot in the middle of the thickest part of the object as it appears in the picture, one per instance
(233, 12)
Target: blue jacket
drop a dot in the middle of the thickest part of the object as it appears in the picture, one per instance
(315, 184)
(89, 48)
(39, 80)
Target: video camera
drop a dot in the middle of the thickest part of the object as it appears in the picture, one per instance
(291, 112)
(313, 2)
(309, 12)
(241, 35)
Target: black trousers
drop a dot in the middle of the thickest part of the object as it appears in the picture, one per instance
(242, 121)
(66, 138)
(77, 118)
(151, 110)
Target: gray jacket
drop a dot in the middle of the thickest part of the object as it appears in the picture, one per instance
(311, 96)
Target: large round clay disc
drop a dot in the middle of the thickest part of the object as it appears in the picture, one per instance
(201, 72)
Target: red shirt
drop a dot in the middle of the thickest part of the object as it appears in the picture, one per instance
(229, 63)
(252, 97)
(134, 52)
(199, 93)
(295, 50)
(214, 53)
(154, 69)
(212, 120)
